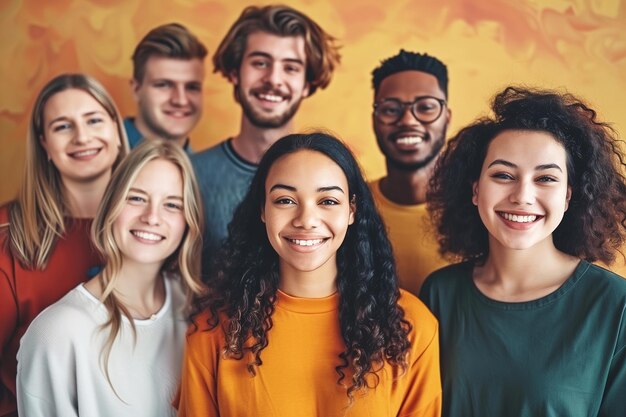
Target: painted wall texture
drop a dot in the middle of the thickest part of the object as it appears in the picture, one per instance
(577, 45)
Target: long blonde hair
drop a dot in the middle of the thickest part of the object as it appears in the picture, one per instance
(185, 261)
(36, 218)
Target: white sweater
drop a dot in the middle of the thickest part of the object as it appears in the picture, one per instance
(59, 369)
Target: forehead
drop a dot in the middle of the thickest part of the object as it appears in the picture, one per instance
(278, 47)
(174, 69)
(526, 148)
(306, 170)
(406, 85)
(70, 101)
(159, 176)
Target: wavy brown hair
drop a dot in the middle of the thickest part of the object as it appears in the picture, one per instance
(245, 277)
(322, 53)
(594, 226)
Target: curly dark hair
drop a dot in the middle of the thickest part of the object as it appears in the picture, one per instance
(245, 277)
(594, 226)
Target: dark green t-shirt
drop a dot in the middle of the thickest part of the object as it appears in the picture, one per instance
(560, 355)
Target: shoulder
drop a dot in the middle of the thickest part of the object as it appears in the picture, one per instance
(4, 215)
(203, 338)
(217, 151)
(449, 275)
(423, 322)
(602, 279)
(70, 317)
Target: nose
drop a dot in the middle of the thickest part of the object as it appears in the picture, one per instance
(151, 215)
(407, 118)
(179, 95)
(307, 217)
(81, 133)
(523, 193)
(273, 75)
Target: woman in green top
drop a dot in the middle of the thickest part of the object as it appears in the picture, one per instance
(527, 199)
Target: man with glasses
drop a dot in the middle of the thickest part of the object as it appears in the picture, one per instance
(410, 118)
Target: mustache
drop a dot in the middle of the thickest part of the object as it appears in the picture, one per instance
(271, 91)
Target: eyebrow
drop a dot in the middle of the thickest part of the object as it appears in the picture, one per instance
(140, 191)
(294, 189)
(541, 167)
(270, 57)
(60, 118)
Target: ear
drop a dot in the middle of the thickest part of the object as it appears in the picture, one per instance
(449, 118)
(352, 209)
(475, 193)
(262, 214)
(233, 77)
(135, 86)
(568, 197)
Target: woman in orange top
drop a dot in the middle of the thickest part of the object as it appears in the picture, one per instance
(76, 139)
(304, 315)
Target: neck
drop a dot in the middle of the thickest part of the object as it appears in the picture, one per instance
(312, 284)
(148, 134)
(516, 275)
(252, 141)
(406, 187)
(83, 198)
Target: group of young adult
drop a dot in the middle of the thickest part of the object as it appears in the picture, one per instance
(257, 277)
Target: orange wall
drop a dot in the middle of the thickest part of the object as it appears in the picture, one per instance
(578, 45)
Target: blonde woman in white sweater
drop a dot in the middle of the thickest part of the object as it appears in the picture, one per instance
(113, 346)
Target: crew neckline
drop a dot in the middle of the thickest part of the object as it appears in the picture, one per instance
(569, 283)
(138, 322)
(307, 305)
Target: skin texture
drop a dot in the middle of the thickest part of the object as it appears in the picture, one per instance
(311, 208)
(270, 83)
(80, 137)
(524, 174)
(169, 98)
(151, 224)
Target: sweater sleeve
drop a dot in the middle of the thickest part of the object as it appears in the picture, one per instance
(615, 389)
(198, 392)
(8, 327)
(46, 369)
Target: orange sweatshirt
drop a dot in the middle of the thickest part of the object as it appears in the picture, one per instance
(298, 377)
(24, 293)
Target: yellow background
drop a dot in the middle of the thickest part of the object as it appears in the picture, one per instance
(576, 45)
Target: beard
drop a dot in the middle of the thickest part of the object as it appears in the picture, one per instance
(260, 119)
(435, 150)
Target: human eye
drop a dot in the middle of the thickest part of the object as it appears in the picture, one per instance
(162, 84)
(135, 199)
(292, 69)
(390, 109)
(427, 105)
(58, 127)
(329, 202)
(284, 201)
(195, 87)
(175, 206)
(94, 120)
(547, 179)
(505, 176)
(260, 63)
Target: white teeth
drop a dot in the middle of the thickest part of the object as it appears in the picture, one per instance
(519, 219)
(88, 152)
(410, 140)
(147, 236)
(271, 97)
(312, 242)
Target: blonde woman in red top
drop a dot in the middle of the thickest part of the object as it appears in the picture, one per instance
(75, 140)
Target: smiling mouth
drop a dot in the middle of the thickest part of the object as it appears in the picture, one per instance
(518, 218)
(152, 237)
(306, 242)
(85, 153)
(178, 114)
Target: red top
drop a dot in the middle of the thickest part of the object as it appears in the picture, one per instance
(24, 293)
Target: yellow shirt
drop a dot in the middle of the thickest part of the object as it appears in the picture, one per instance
(298, 377)
(414, 243)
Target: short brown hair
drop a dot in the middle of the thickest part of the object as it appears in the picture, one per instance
(172, 40)
(322, 53)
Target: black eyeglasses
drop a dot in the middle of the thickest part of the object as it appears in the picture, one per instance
(426, 109)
